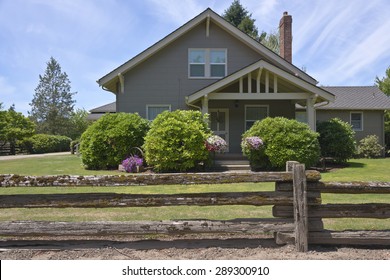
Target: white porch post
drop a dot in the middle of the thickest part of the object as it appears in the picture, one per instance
(311, 113)
(205, 104)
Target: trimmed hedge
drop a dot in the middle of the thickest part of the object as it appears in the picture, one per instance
(337, 140)
(176, 141)
(108, 141)
(45, 143)
(283, 140)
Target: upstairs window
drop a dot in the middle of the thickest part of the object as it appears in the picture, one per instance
(357, 121)
(207, 63)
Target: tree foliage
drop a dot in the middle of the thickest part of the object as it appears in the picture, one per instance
(79, 123)
(52, 104)
(337, 139)
(284, 140)
(13, 127)
(384, 85)
(176, 141)
(240, 17)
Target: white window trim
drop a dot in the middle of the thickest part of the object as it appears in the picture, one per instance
(251, 106)
(362, 122)
(156, 105)
(207, 63)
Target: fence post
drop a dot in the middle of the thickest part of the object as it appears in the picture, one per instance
(300, 207)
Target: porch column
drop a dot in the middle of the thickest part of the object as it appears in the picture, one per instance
(311, 113)
(205, 105)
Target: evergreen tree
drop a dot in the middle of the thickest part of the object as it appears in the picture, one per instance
(240, 17)
(384, 83)
(52, 105)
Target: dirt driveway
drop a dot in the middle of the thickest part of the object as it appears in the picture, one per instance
(176, 248)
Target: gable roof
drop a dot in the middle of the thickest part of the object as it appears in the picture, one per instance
(208, 14)
(322, 94)
(357, 98)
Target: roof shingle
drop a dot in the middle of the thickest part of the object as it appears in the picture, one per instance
(357, 98)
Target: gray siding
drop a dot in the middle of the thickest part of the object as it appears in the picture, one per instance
(372, 122)
(163, 78)
(237, 116)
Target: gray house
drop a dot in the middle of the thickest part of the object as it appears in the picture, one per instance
(210, 65)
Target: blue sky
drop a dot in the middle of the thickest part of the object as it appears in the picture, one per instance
(339, 42)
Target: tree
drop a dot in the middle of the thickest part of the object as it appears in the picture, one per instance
(384, 85)
(240, 17)
(14, 126)
(52, 105)
(79, 123)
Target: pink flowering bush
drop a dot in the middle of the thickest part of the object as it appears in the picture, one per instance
(252, 143)
(216, 143)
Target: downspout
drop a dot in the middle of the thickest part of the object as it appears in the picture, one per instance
(192, 105)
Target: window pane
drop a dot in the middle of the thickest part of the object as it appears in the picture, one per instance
(249, 124)
(356, 121)
(197, 56)
(217, 70)
(213, 121)
(197, 70)
(218, 56)
(153, 111)
(256, 113)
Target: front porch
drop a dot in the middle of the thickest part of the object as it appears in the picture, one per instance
(258, 91)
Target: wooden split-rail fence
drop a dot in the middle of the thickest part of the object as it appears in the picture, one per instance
(297, 210)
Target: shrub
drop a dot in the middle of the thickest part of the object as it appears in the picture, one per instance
(282, 140)
(369, 147)
(216, 143)
(176, 141)
(73, 146)
(337, 140)
(45, 143)
(108, 141)
(131, 163)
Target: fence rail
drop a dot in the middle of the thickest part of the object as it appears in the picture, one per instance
(297, 210)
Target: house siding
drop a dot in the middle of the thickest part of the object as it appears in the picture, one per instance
(237, 116)
(373, 122)
(163, 78)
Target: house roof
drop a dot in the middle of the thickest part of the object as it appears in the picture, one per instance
(109, 80)
(357, 98)
(310, 89)
(107, 108)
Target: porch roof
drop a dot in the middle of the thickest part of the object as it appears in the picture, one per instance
(297, 88)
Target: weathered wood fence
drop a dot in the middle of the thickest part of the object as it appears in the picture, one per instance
(296, 204)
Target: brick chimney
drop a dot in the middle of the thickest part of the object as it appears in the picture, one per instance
(285, 39)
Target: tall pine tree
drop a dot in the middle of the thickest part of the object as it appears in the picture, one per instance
(52, 105)
(240, 17)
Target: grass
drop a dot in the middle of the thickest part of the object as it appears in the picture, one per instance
(358, 170)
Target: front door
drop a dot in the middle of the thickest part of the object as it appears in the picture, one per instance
(219, 121)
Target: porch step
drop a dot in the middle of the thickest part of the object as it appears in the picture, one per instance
(231, 165)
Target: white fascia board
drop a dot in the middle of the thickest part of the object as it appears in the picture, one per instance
(262, 64)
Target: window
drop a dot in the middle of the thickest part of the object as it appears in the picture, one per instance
(357, 121)
(207, 63)
(153, 110)
(254, 113)
(301, 116)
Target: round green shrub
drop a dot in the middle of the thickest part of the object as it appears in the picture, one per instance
(176, 141)
(108, 141)
(45, 143)
(337, 140)
(283, 140)
(369, 147)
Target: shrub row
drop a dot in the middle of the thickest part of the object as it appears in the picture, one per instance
(181, 141)
(44, 143)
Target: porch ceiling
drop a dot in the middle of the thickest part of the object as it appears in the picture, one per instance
(262, 81)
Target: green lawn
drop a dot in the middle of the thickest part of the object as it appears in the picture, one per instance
(358, 170)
